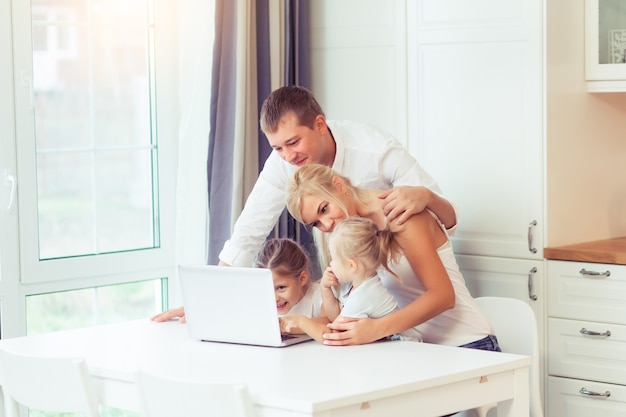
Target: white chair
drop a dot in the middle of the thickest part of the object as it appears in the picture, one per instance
(515, 326)
(53, 384)
(167, 397)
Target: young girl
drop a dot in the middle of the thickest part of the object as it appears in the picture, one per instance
(351, 286)
(432, 294)
(295, 292)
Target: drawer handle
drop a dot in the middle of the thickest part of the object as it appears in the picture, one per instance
(592, 333)
(531, 286)
(585, 391)
(530, 236)
(594, 273)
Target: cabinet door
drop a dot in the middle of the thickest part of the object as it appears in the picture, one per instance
(566, 400)
(605, 43)
(587, 350)
(502, 277)
(587, 291)
(475, 88)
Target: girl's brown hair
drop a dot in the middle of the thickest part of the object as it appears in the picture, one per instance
(283, 256)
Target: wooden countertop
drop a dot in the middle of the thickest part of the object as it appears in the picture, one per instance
(608, 251)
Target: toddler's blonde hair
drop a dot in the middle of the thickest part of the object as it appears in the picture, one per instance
(359, 239)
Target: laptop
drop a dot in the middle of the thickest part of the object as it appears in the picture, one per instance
(232, 305)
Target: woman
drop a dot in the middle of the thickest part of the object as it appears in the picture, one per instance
(432, 294)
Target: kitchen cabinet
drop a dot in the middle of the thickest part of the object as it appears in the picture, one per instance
(474, 107)
(479, 123)
(467, 88)
(461, 84)
(605, 45)
(478, 88)
(586, 338)
(566, 401)
(477, 81)
(506, 277)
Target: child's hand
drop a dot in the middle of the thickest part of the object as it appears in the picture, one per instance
(329, 279)
(170, 315)
(290, 324)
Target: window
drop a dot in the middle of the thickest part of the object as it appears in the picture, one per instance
(95, 172)
(96, 151)
(93, 306)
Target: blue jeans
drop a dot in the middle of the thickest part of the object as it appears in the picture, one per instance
(488, 343)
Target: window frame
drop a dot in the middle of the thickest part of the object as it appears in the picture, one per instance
(21, 272)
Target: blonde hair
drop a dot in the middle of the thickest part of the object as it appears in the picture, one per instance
(358, 238)
(316, 180)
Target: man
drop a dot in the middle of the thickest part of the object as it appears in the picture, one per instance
(296, 128)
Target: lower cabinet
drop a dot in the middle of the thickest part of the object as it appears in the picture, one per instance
(507, 277)
(586, 339)
(582, 398)
(587, 350)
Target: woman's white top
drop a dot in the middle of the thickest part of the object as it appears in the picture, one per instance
(460, 325)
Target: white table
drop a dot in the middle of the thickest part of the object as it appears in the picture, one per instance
(309, 379)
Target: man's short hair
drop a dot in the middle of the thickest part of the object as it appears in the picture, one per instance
(290, 99)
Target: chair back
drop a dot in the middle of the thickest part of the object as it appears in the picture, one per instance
(54, 384)
(167, 397)
(515, 326)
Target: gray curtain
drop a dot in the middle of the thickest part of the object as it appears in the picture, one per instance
(264, 82)
(220, 157)
(297, 72)
(221, 133)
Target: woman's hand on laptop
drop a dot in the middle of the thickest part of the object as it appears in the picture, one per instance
(350, 331)
(170, 314)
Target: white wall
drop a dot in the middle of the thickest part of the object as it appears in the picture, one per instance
(359, 62)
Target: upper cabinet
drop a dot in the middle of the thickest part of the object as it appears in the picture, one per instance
(461, 84)
(605, 45)
(475, 96)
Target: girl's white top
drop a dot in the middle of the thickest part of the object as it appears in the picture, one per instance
(371, 299)
(310, 305)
